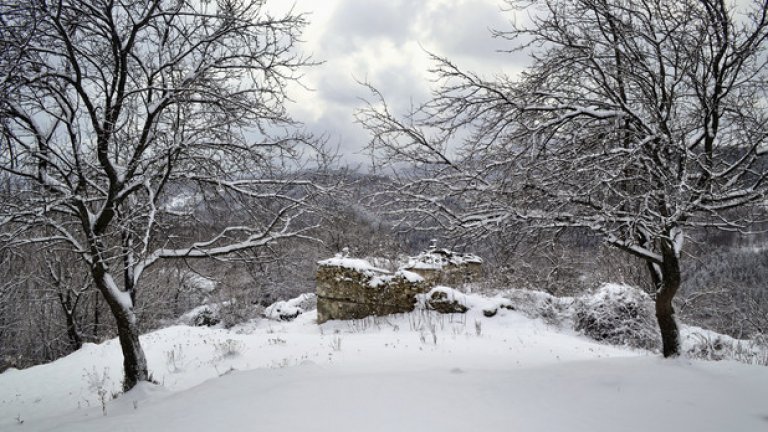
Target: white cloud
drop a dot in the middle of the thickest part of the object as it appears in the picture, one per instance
(383, 42)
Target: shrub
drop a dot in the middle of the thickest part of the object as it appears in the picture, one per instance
(207, 318)
(619, 315)
(707, 345)
(205, 315)
(539, 305)
(290, 309)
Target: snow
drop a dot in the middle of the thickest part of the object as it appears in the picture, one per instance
(409, 276)
(199, 282)
(418, 265)
(183, 203)
(289, 309)
(706, 344)
(678, 240)
(506, 373)
(613, 292)
(122, 297)
(357, 264)
(436, 259)
(192, 316)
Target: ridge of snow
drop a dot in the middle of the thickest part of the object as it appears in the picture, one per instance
(356, 264)
(409, 276)
(436, 259)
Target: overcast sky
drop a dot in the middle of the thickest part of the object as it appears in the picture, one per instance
(383, 42)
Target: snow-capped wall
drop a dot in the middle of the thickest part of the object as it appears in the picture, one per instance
(353, 288)
(350, 288)
(445, 267)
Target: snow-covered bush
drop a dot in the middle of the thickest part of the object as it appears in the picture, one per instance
(226, 313)
(290, 309)
(449, 301)
(619, 315)
(238, 310)
(537, 304)
(708, 345)
(205, 315)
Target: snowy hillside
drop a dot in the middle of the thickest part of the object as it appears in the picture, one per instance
(415, 372)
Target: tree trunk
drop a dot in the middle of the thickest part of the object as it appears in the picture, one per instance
(73, 332)
(69, 309)
(670, 334)
(666, 279)
(96, 322)
(134, 362)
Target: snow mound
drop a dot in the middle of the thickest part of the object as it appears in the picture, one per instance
(290, 309)
(448, 300)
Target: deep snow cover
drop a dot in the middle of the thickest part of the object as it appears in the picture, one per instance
(414, 372)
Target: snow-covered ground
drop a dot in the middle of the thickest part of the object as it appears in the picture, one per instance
(414, 372)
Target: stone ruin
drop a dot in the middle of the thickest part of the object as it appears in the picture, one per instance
(445, 267)
(351, 288)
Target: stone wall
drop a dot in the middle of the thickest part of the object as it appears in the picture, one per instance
(451, 275)
(349, 288)
(352, 289)
(444, 267)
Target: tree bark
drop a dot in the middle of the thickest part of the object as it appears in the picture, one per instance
(134, 362)
(73, 332)
(69, 307)
(670, 334)
(666, 279)
(96, 320)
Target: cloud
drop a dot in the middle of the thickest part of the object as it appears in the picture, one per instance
(383, 42)
(462, 28)
(356, 23)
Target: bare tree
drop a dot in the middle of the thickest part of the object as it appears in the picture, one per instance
(120, 117)
(638, 120)
(69, 283)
